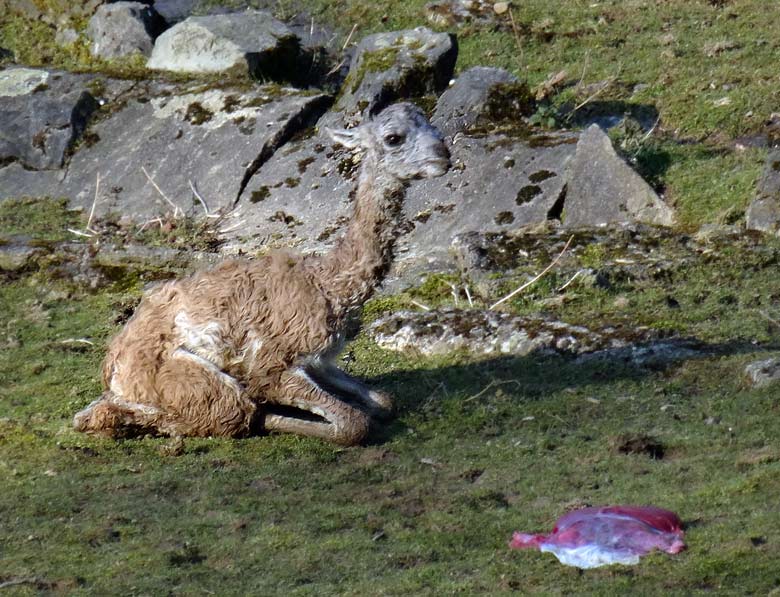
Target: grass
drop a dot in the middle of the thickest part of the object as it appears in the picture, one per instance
(480, 447)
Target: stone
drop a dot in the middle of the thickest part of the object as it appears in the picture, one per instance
(603, 190)
(175, 11)
(123, 28)
(394, 65)
(17, 256)
(251, 43)
(447, 330)
(42, 116)
(210, 141)
(761, 374)
(469, 99)
(763, 213)
(456, 13)
(303, 196)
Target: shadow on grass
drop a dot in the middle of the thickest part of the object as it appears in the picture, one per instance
(533, 378)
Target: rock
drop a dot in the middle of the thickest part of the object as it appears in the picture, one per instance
(42, 115)
(214, 140)
(764, 211)
(456, 13)
(394, 65)
(603, 190)
(175, 11)
(250, 43)
(443, 331)
(763, 373)
(17, 256)
(123, 28)
(301, 196)
(480, 93)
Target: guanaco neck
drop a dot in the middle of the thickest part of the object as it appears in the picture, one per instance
(360, 259)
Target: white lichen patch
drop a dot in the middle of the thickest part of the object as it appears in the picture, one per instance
(211, 102)
(21, 81)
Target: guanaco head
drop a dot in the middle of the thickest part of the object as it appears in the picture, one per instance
(402, 139)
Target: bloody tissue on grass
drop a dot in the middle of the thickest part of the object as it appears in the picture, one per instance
(593, 537)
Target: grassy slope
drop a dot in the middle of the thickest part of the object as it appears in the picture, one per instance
(481, 447)
(428, 509)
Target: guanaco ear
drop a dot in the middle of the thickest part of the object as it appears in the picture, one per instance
(348, 138)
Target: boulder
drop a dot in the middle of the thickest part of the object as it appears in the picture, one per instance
(764, 211)
(394, 65)
(123, 28)
(303, 195)
(206, 143)
(42, 115)
(446, 330)
(603, 190)
(250, 43)
(480, 94)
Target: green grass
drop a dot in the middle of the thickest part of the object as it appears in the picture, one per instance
(480, 447)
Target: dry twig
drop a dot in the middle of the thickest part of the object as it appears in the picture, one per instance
(88, 232)
(349, 37)
(536, 278)
(420, 305)
(201, 200)
(177, 212)
(493, 384)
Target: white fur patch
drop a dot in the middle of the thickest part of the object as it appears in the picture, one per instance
(203, 340)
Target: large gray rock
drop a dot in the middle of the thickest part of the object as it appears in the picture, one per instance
(764, 211)
(473, 97)
(214, 140)
(447, 330)
(303, 195)
(42, 115)
(123, 28)
(603, 190)
(251, 43)
(393, 65)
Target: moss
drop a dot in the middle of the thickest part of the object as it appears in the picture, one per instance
(196, 114)
(42, 218)
(260, 194)
(504, 217)
(509, 101)
(305, 163)
(527, 194)
(292, 182)
(541, 176)
(370, 62)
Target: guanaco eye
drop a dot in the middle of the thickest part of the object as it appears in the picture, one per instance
(392, 139)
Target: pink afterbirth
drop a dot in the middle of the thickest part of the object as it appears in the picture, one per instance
(593, 537)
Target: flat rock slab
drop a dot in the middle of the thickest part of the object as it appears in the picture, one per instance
(443, 331)
(603, 190)
(393, 65)
(303, 195)
(252, 43)
(210, 141)
(42, 115)
(764, 211)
